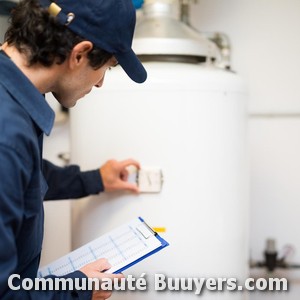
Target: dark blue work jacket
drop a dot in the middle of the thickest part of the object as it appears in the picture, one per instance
(25, 180)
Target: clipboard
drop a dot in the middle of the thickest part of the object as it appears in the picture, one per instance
(123, 247)
(163, 244)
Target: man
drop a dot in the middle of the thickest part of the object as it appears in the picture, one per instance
(64, 48)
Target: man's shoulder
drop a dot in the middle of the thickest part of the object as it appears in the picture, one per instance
(16, 127)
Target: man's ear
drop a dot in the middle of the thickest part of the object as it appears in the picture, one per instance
(79, 53)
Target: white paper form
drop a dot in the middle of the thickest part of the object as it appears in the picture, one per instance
(121, 247)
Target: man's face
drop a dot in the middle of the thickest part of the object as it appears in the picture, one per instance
(76, 83)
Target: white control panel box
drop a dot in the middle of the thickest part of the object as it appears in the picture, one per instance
(148, 179)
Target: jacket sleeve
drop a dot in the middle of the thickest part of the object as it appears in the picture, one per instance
(70, 182)
(14, 177)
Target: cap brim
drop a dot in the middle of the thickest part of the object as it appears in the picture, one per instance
(132, 66)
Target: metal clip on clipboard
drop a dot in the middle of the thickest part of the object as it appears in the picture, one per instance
(145, 230)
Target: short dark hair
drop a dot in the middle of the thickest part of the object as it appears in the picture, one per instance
(38, 35)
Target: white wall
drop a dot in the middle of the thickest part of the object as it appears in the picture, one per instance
(3, 26)
(265, 42)
(57, 240)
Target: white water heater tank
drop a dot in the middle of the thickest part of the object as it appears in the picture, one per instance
(189, 121)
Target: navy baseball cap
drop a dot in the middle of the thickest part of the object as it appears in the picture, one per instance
(108, 24)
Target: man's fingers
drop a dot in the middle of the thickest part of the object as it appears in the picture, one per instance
(132, 187)
(129, 162)
(104, 267)
(124, 174)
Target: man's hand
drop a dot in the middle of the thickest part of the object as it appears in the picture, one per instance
(115, 174)
(94, 270)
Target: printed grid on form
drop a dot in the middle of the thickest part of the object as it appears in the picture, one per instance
(120, 247)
